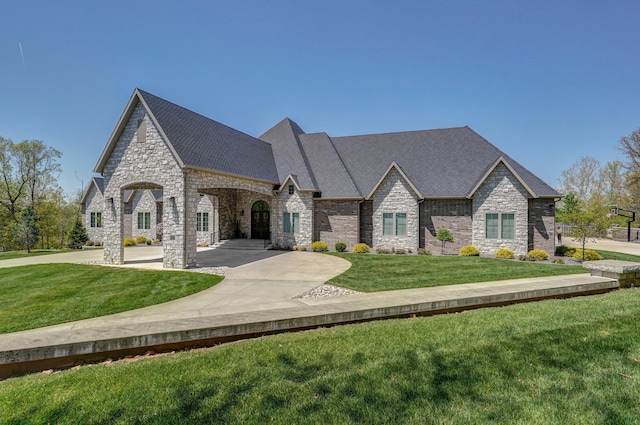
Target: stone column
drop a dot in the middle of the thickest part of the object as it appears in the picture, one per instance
(113, 228)
(191, 198)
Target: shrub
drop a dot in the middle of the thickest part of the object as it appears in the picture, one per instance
(276, 246)
(141, 239)
(469, 251)
(557, 261)
(361, 248)
(294, 248)
(78, 235)
(90, 243)
(383, 251)
(287, 247)
(400, 251)
(505, 253)
(537, 255)
(423, 251)
(564, 251)
(341, 246)
(129, 242)
(148, 242)
(589, 255)
(319, 246)
(302, 247)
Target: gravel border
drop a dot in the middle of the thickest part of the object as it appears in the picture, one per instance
(326, 291)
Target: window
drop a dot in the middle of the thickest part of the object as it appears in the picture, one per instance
(508, 226)
(401, 224)
(292, 189)
(291, 222)
(202, 222)
(96, 219)
(491, 231)
(144, 220)
(500, 224)
(394, 224)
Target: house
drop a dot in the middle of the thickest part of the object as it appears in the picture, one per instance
(389, 190)
(142, 212)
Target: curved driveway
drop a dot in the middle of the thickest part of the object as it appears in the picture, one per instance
(266, 280)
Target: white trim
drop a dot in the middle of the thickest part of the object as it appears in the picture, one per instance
(404, 176)
(135, 98)
(491, 169)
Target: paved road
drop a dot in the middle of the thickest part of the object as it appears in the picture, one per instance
(608, 245)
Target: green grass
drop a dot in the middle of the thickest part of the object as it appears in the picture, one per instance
(48, 294)
(8, 255)
(567, 362)
(370, 273)
(609, 255)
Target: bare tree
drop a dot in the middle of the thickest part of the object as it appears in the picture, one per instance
(612, 178)
(582, 178)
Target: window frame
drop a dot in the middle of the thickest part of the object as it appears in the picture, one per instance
(394, 224)
(503, 225)
(95, 220)
(292, 189)
(202, 222)
(291, 222)
(144, 220)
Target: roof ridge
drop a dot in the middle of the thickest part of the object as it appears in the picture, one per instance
(404, 132)
(143, 93)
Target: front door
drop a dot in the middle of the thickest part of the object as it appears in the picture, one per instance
(260, 220)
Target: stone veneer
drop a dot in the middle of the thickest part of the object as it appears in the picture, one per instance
(148, 164)
(143, 202)
(206, 204)
(452, 214)
(199, 181)
(501, 192)
(94, 203)
(299, 202)
(336, 221)
(395, 195)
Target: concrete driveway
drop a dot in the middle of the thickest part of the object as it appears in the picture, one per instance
(258, 280)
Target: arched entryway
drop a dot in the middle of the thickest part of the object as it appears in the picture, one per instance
(260, 220)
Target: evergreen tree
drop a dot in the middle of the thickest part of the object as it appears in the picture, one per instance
(26, 228)
(78, 235)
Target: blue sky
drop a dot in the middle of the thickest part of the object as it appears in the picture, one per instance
(545, 81)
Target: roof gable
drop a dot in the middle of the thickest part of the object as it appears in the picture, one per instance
(288, 154)
(97, 183)
(486, 175)
(402, 174)
(199, 142)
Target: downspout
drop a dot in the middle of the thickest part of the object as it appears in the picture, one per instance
(420, 201)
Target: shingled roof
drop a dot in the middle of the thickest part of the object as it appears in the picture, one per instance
(201, 142)
(288, 154)
(443, 163)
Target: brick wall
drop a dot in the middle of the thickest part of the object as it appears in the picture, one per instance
(542, 220)
(452, 214)
(336, 221)
(366, 222)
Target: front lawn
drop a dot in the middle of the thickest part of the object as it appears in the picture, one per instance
(371, 273)
(48, 294)
(568, 362)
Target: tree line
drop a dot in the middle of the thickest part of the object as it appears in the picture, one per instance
(34, 210)
(591, 188)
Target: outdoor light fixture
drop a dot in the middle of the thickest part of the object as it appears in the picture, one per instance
(172, 200)
(111, 201)
(241, 213)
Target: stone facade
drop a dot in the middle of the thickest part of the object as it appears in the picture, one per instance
(298, 202)
(501, 192)
(207, 234)
(94, 203)
(143, 203)
(395, 195)
(336, 221)
(144, 164)
(452, 214)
